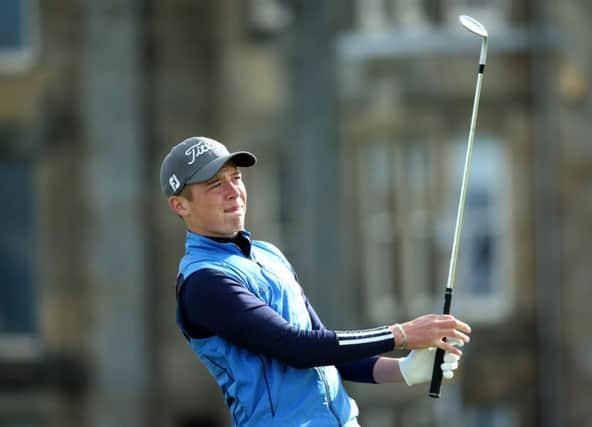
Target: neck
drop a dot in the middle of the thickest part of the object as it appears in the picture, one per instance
(214, 236)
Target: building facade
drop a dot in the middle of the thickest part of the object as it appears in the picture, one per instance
(358, 112)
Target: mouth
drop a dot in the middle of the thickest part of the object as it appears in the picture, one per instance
(233, 209)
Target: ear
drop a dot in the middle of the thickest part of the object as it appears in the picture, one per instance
(179, 205)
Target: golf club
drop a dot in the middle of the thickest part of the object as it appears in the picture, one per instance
(476, 28)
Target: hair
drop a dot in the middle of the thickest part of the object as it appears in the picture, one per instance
(186, 193)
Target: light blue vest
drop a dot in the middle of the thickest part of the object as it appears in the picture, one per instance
(261, 391)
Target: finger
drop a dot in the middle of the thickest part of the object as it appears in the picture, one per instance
(448, 374)
(459, 337)
(463, 326)
(453, 322)
(451, 358)
(449, 348)
(455, 342)
(460, 325)
(447, 320)
(449, 366)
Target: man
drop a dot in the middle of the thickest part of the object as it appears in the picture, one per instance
(245, 315)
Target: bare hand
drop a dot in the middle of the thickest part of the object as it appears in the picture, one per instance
(429, 330)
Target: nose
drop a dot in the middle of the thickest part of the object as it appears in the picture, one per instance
(231, 190)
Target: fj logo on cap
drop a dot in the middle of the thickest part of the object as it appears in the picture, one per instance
(174, 182)
(198, 149)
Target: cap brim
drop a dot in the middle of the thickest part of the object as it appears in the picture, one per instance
(242, 159)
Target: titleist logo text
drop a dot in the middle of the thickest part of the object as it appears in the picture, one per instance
(197, 150)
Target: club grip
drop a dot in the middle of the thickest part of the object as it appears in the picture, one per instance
(439, 359)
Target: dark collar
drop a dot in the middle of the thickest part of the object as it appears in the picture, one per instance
(241, 240)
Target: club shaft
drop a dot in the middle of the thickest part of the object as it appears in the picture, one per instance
(437, 370)
(463, 189)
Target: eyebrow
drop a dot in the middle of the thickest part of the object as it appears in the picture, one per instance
(217, 177)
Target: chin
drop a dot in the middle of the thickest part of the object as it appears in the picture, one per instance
(237, 223)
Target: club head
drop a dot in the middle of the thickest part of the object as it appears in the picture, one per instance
(473, 25)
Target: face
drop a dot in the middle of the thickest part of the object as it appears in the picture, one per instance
(215, 208)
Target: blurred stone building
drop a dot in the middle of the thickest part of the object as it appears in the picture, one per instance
(358, 111)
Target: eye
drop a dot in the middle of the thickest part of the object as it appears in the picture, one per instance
(214, 185)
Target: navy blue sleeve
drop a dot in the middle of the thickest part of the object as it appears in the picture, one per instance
(360, 371)
(211, 303)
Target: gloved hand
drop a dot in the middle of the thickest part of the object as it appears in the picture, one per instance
(417, 366)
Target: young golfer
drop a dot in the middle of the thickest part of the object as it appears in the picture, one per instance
(245, 315)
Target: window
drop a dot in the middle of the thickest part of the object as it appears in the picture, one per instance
(484, 265)
(17, 259)
(396, 247)
(19, 34)
(407, 218)
(379, 265)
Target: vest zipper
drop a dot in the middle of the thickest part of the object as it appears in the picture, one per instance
(267, 385)
(256, 261)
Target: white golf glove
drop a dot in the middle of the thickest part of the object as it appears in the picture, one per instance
(417, 366)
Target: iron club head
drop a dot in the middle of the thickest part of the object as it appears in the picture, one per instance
(473, 25)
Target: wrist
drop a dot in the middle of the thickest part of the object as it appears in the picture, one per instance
(400, 336)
